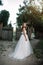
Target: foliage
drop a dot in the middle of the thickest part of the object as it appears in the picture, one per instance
(39, 49)
(29, 13)
(4, 15)
(36, 18)
(1, 2)
(23, 15)
(22, 18)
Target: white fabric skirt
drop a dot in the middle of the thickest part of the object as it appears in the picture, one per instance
(22, 49)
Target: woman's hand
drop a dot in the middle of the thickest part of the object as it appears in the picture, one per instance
(26, 39)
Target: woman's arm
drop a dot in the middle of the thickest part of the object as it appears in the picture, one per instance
(24, 31)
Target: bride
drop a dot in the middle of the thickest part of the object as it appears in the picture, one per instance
(23, 48)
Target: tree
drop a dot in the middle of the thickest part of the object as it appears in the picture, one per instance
(23, 15)
(1, 2)
(28, 12)
(4, 15)
(37, 19)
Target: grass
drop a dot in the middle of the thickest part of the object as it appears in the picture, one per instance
(39, 49)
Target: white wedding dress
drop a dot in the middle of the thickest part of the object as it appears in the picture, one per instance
(23, 48)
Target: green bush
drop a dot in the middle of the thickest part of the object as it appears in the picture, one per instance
(39, 49)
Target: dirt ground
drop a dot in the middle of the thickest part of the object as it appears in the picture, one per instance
(7, 47)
